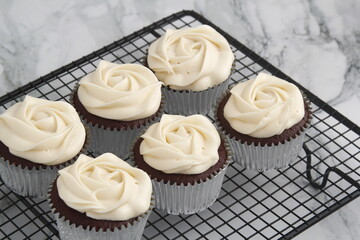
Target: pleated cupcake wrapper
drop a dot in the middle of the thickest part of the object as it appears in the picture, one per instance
(129, 231)
(190, 198)
(34, 182)
(275, 156)
(114, 141)
(117, 140)
(187, 102)
(190, 102)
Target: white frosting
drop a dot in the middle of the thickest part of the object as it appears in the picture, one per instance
(120, 92)
(42, 131)
(191, 58)
(105, 188)
(178, 144)
(264, 107)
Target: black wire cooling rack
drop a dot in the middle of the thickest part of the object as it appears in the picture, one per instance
(252, 205)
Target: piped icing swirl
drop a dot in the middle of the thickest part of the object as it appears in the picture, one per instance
(123, 92)
(42, 131)
(264, 106)
(178, 144)
(191, 58)
(105, 188)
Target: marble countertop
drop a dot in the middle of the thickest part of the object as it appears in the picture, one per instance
(316, 42)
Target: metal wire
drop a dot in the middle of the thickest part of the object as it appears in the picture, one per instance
(252, 205)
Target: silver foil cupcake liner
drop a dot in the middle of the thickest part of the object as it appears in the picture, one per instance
(266, 157)
(190, 198)
(27, 182)
(275, 156)
(33, 182)
(129, 231)
(117, 141)
(187, 102)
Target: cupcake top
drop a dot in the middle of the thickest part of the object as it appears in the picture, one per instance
(123, 92)
(264, 106)
(42, 131)
(105, 188)
(191, 58)
(179, 144)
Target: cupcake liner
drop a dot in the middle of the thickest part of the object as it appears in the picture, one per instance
(115, 140)
(275, 156)
(33, 182)
(187, 102)
(190, 198)
(129, 231)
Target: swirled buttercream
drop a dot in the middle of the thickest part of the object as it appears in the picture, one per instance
(105, 188)
(42, 131)
(123, 92)
(178, 144)
(191, 58)
(264, 107)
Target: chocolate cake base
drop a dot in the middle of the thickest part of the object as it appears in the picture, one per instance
(109, 123)
(287, 134)
(178, 178)
(80, 219)
(24, 163)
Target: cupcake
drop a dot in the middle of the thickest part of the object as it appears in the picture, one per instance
(101, 198)
(186, 159)
(37, 138)
(194, 64)
(264, 120)
(117, 102)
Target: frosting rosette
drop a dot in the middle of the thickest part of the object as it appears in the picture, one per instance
(42, 131)
(123, 92)
(105, 188)
(264, 107)
(191, 58)
(179, 144)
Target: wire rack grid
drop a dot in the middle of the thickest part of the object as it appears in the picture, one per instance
(252, 205)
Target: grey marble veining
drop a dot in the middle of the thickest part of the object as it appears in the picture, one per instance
(316, 42)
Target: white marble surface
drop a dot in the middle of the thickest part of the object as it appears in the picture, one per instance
(316, 42)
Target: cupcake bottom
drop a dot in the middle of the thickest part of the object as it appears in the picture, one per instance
(115, 141)
(70, 231)
(109, 135)
(186, 102)
(27, 182)
(264, 153)
(76, 225)
(266, 157)
(186, 193)
(27, 178)
(188, 199)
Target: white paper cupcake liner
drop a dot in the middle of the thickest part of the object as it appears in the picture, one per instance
(191, 198)
(33, 182)
(130, 231)
(276, 156)
(116, 141)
